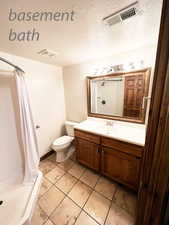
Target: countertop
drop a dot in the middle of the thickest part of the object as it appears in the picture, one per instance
(123, 131)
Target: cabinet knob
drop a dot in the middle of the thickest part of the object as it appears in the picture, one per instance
(98, 150)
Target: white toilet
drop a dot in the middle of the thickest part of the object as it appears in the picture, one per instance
(62, 145)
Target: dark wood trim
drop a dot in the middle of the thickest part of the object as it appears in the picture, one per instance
(154, 187)
(47, 155)
(88, 96)
(165, 220)
(146, 92)
(97, 115)
(119, 73)
(147, 71)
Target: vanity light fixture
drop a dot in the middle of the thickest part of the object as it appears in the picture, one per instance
(133, 65)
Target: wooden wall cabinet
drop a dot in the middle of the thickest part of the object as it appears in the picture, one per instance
(115, 159)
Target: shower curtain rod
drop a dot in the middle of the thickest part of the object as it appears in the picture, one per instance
(11, 64)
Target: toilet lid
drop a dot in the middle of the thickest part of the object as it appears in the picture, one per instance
(63, 140)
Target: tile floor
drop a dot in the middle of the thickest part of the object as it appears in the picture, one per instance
(74, 195)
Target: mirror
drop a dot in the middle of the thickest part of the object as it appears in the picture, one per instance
(120, 96)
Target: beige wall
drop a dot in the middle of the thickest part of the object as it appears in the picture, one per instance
(45, 85)
(74, 78)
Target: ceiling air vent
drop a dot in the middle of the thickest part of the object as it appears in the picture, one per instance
(123, 14)
(128, 13)
(47, 52)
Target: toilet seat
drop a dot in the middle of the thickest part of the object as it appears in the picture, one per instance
(61, 141)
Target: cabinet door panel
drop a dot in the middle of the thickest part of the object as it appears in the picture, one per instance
(88, 153)
(120, 167)
(134, 92)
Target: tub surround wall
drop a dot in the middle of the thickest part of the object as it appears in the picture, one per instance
(114, 105)
(74, 78)
(45, 85)
(10, 155)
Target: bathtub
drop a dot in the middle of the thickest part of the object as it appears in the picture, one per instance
(18, 202)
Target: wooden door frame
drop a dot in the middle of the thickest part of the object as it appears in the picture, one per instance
(154, 184)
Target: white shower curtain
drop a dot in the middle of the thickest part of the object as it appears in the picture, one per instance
(28, 135)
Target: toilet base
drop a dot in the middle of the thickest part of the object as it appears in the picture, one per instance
(64, 155)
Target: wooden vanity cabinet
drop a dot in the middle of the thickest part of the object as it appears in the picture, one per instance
(121, 167)
(115, 159)
(88, 153)
(121, 161)
(88, 149)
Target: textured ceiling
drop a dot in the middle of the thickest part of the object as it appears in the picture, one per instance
(87, 37)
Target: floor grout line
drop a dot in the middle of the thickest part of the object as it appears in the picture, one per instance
(53, 184)
(107, 213)
(69, 190)
(45, 192)
(57, 207)
(78, 216)
(88, 199)
(91, 216)
(66, 194)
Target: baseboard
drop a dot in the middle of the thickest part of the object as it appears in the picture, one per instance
(47, 155)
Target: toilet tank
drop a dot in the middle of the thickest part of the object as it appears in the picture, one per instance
(70, 128)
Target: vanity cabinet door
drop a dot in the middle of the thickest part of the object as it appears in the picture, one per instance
(88, 153)
(121, 167)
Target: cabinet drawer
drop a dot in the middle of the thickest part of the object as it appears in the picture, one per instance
(87, 136)
(122, 146)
